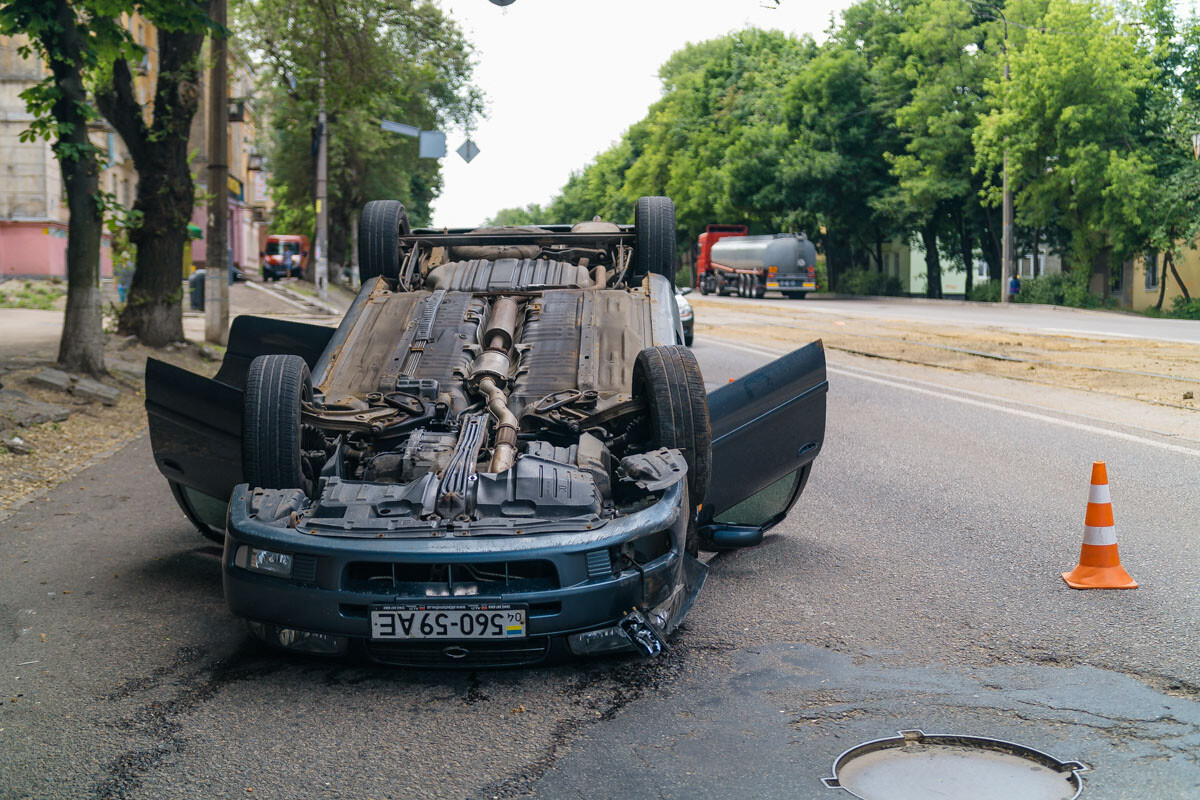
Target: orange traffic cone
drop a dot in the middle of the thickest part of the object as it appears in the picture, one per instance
(1099, 564)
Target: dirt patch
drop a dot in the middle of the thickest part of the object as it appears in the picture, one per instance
(93, 430)
(1162, 373)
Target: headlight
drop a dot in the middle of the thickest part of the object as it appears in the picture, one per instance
(264, 561)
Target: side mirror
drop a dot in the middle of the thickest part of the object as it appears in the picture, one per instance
(685, 290)
(262, 253)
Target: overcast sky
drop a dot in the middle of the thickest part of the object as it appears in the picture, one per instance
(564, 79)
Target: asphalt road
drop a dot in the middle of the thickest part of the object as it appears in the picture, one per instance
(916, 585)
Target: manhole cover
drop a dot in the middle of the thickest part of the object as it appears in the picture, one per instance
(918, 766)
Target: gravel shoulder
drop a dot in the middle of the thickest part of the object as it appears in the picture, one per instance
(1159, 373)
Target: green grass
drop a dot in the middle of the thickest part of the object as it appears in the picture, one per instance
(41, 295)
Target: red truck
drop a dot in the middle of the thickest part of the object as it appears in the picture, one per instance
(749, 266)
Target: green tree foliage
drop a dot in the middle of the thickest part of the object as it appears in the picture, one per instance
(1067, 119)
(403, 60)
(897, 125)
(77, 39)
(532, 214)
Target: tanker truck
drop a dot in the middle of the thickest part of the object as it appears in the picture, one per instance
(749, 266)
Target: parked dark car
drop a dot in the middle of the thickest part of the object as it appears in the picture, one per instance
(502, 455)
(686, 315)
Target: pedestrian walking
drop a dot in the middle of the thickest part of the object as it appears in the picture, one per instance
(1014, 287)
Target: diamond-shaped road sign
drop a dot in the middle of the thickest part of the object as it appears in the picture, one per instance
(468, 150)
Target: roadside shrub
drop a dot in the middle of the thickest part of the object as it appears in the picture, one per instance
(31, 294)
(1048, 289)
(860, 281)
(985, 292)
(1185, 309)
(822, 276)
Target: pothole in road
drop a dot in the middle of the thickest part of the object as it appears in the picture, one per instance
(917, 766)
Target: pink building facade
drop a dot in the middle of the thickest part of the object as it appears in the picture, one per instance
(38, 249)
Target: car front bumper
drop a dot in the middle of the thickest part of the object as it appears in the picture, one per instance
(586, 599)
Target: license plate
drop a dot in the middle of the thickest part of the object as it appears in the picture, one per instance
(463, 621)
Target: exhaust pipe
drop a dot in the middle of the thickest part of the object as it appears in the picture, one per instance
(490, 370)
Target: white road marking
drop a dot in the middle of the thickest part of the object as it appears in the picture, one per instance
(865, 375)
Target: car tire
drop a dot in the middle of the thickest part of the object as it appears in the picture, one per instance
(654, 224)
(380, 227)
(688, 338)
(276, 385)
(669, 378)
(703, 287)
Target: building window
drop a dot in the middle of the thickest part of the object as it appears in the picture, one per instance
(1151, 266)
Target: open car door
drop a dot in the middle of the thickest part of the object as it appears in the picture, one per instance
(767, 428)
(196, 422)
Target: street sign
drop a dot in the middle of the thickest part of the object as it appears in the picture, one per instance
(468, 150)
(400, 127)
(433, 144)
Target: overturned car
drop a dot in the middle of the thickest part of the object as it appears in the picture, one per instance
(503, 454)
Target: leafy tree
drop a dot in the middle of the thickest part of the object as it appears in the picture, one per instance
(1067, 119)
(1169, 112)
(944, 65)
(404, 60)
(840, 111)
(76, 39)
(157, 138)
(532, 214)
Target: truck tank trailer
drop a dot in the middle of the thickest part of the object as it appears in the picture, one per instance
(749, 266)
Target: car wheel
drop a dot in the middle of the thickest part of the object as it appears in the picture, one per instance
(380, 227)
(688, 338)
(669, 379)
(654, 224)
(760, 289)
(271, 430)
(703, 286)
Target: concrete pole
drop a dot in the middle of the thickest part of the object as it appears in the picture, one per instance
(216, 267)
(321, 244)
(1006, 256)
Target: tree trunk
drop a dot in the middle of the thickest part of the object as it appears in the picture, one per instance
(165, 193)
(992, 255)
(837, 256)
(81, 348)
(1187, 297)
(1105, 269)
(1162, 282)
(967, 253)
(933, 265)
(1035, 268)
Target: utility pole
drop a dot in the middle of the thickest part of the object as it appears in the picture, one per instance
(1007, 268)
(322, 237)
(216, 268)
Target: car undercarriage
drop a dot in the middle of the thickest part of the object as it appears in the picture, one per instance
(502, 453)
